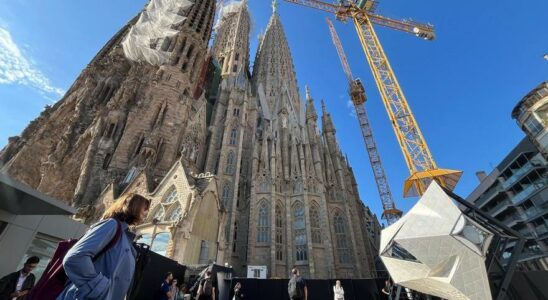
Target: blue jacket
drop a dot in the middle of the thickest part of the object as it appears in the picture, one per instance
(109, 276)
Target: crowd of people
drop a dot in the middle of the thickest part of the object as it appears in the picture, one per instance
(101, 266)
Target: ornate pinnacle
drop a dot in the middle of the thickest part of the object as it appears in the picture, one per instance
(274, 6)
(307, 92)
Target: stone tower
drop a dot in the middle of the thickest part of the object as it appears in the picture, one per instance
(288, 190)
(132, 108)
(234, 117)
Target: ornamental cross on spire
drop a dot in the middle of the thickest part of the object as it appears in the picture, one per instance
(274, 6)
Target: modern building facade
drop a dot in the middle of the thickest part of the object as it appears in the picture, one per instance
(31, 224)
(531, 114)
(516, 191)
(232, 158)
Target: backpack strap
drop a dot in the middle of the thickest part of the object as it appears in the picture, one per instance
(112, 242)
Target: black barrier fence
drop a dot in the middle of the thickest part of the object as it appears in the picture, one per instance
(276, 289)
(148, 285)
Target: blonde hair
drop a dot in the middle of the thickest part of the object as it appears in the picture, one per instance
(127, 209)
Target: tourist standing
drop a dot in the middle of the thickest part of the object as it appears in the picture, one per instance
(338, 291)
(238, 293)
(165, 287)
(206, 290)
(105, 275)
(296, 287)
(174, 290)
(17, 285)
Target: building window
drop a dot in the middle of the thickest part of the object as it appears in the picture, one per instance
(237, 56)
(300, 233)
(233, 136)
(204, 253)
(264, 224)
(175, 213)
(171, 196)
(315, 225)
(236, 112)
(160, 213)
(341, 243)
(230, 163)
(227, 194)
(533, 125)
(234, 68)
(42, 246)
(235, 236)
(189, 51)
(279, 233)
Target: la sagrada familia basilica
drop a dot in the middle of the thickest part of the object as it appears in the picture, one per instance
(232, 157)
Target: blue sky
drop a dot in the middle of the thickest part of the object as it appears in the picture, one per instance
(461, 87)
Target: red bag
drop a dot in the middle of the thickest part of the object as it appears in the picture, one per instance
(54, 278)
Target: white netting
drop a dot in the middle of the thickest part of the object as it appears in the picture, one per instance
(153, 27)
(227, 9)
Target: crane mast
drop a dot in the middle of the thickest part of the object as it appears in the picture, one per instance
(419, 160)
(357, 93)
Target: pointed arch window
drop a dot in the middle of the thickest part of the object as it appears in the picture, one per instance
(171, 196)
(264, 224)
(160, 213)
(230, 163)
(299, 229)
(341, 242)
(315, 225)
(279, 233)
(227, 194)
(233, 136)
(175, 213)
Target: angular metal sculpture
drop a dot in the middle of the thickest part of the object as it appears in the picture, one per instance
(437, 250)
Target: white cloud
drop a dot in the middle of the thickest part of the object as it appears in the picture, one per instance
(352, 111)
(15, 68)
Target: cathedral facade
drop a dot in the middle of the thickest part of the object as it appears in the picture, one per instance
(232, 158)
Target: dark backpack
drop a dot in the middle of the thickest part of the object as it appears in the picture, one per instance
(207, 287)
(54, 278)
(294, 289)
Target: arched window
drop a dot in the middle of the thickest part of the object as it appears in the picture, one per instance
(160, 213)
(204, 253)
(233, 136)
(230, 163)
(264, 224)
(341, 243)
(175, 213)
(315, 225)
(171, 197)
(279, 233)
(227, 194)
(299, 230)
(235, 236)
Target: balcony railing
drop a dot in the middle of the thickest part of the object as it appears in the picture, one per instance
(495, 210)
(517, 175)
(524, 194)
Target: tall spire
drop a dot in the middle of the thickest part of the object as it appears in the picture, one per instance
(274, 6)
(307, 92)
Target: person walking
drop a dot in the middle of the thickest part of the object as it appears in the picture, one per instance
(206, 290)
(338, 290)
(101, 264)
(174, 290)
(296, 288)
(17, 285)
(238, 293)
(165, 287)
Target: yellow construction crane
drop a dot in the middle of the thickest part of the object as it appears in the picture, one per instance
(421, 164)
(357, 93)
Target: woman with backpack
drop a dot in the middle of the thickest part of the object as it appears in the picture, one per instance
(101, 264)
